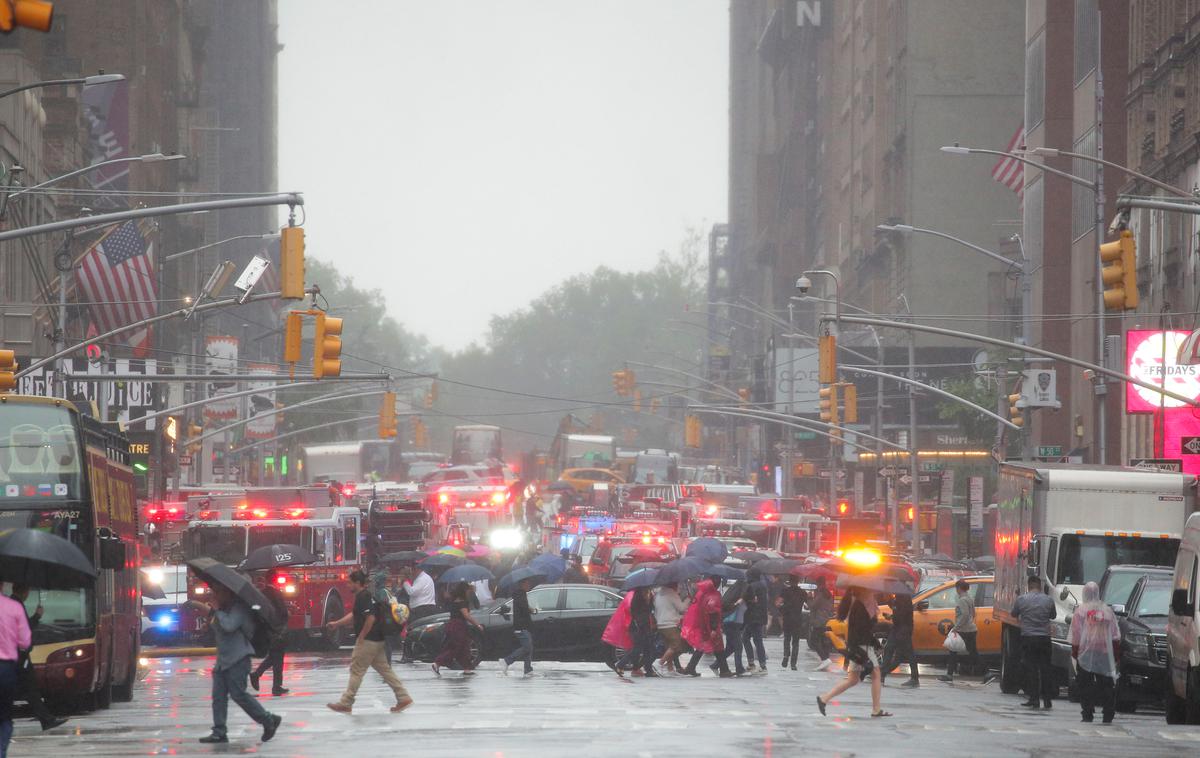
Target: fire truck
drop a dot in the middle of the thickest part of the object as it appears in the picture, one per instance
(788, 533)
(470, 511)
(394, 522)
(229, 527)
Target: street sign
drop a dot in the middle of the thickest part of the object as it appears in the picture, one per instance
(824, 474)
(888, 471)
(1158, 464)
(800, 436)
(930, 467)
(185, 460)
(1050, 451)
(924, 479)
(1190, 445)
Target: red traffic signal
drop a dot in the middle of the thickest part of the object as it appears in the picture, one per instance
(844, 508)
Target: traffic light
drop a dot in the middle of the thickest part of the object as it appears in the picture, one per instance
(194, 431)
(8, 370)
(428, 400)
(327, 347)
(32, 14)
(387, 416)
(420, 435)
(1016, 412)
(637, 401)
(293, 336)
(693, 432)
(827, 359)
(433, 391)
(844, 509)
(171, 429)
(744, 395)
(1120, 273)
(618, 379)
(291, 263)
(829, 403)
(630, 382)
(849, 403)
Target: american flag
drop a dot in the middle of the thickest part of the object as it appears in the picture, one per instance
(1009, 171)
(117, 278)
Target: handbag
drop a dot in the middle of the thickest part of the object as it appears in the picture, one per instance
(955, 643)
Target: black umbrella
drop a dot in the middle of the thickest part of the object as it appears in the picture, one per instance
(215, 572)
(876, 583)
(681, 570)
(276, 556)
(750, 556)
(708, 549)
(442, 560)
(647, 577)
(776, 566)
(468, 572)
(44, 561)
(404, 556)
(725, 572)
(518, 575)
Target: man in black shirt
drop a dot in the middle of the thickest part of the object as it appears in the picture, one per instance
(899, 642)
(522, 621)
(368, 617)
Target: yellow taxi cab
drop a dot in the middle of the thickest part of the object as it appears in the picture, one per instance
(582, 479)
(933, 615)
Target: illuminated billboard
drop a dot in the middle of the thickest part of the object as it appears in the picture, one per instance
(1150, 356)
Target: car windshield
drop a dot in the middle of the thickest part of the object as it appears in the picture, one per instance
(1154, 600)
(1119, 585)
(1084, 557)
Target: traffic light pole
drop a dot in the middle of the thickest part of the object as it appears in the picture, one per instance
(914, 486)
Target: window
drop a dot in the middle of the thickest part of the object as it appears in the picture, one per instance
(1087, 37)
(586, 599)
(261, 536)
(545, 599)
(940, 601)
(351, 534)
(338, 552)
(226, 544)
(1154, 600)
(1083, 199)
(1195, 578)
(1035, 82)
(1051, 558)
(1084, 557)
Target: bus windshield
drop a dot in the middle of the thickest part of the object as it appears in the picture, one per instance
(226, 544)
(39, 453)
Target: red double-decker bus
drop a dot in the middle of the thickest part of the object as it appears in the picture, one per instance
(68, 474)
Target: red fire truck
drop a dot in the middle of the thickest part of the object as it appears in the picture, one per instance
(472, 510)
(233, 526)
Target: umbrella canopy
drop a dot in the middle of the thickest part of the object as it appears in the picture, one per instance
(812, 571)
(510, 580)
(750, 556)
(43, 561)
(708, 549)
(683, 569)
(215, 572)
(404, 556)
(457, 552)
(646, 577)
(479, 551)
(443, 560)
(466, 573)
(277, 556)
(655, 564)
(551, 566)
(777, 566)
(641, 555)
(875, 582)
(725, 572)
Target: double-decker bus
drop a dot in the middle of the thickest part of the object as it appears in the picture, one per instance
(230, 527)
(68, 474)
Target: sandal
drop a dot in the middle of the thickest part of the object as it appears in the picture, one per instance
(880, 714)
(821, 705)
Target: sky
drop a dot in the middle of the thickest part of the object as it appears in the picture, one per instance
(465, 157)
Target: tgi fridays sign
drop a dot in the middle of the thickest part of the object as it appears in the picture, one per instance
(126, 399)
(1150, 355)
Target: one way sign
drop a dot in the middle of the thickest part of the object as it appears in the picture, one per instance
(1190, 445)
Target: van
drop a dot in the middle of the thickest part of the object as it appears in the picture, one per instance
(1183, 631)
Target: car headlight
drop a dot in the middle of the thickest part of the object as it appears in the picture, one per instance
(1059, 630)
(1137, 645)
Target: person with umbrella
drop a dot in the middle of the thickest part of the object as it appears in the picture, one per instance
(669, 608)
(702, 627)
(369, 625)
(522, 620)
(858, 608)
(574, 573)
(456, 645)
(757, 598)
(820, 611)
(791, 606)
(233, 627)
(28, 682)
(274, 658)
(899, 645)
(14, 637)
(640, 657)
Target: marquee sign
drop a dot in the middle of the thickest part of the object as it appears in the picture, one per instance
(1150, 356)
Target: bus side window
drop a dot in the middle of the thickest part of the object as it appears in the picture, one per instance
(350, 529)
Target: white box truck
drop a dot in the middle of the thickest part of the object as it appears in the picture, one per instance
(1065, 524)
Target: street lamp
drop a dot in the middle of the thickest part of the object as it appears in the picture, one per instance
(1055, 152)
(86, 81)
(147, 158)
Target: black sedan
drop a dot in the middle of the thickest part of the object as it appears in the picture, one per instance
(568, 620)
(1143, 625)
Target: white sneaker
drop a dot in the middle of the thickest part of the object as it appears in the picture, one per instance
(824, 665)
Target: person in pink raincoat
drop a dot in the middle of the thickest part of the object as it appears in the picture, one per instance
(616, 633)
(702, 627)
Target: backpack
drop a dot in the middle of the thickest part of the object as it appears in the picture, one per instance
(265, 636)
(395, 613)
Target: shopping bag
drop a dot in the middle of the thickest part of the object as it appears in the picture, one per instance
(955, 643)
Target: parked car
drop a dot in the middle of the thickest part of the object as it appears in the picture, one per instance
(1183, 630)
(568, 620)
(1118, 581)
(1143, 623)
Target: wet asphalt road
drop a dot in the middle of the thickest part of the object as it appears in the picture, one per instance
(582, 709)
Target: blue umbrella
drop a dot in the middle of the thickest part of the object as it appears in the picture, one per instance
(516, 576)
(725, 572)
(550, 566)
(708, 549)
(647, 577)
(442, 560)
(681, 570)
(466, 573)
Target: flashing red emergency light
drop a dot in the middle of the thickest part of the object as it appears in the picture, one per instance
(281, 579)
(296, 512)
(348, 490)
(768, 515)
(443, 498)
(498, 498)
(909, 513)
(712, 509)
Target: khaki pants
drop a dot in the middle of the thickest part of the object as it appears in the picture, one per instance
(368, 654)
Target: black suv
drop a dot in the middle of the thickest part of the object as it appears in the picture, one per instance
(1143, 623)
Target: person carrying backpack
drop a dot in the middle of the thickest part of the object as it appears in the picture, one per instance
(369, 626)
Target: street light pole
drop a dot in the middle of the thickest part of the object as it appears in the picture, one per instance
(86, 81)
(834, 450)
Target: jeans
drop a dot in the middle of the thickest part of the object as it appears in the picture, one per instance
(899, 647)
(818, 642)
(752, 638)
(273, 661)
(733, 645)
(8, 691)
(369, 654)
(971, 639)
(1095, 690)
(524, 649)
(1039, 674)
(791, 642)
(230, 684)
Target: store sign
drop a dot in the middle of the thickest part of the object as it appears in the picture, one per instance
(1150, 356)
(796, 380)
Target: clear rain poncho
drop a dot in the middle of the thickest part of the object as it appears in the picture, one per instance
(1093, 631)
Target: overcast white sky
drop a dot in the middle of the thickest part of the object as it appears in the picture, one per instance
(466, 156)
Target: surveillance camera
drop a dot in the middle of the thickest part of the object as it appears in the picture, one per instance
(803, 285)
(1120, 222)
(1089, 374)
